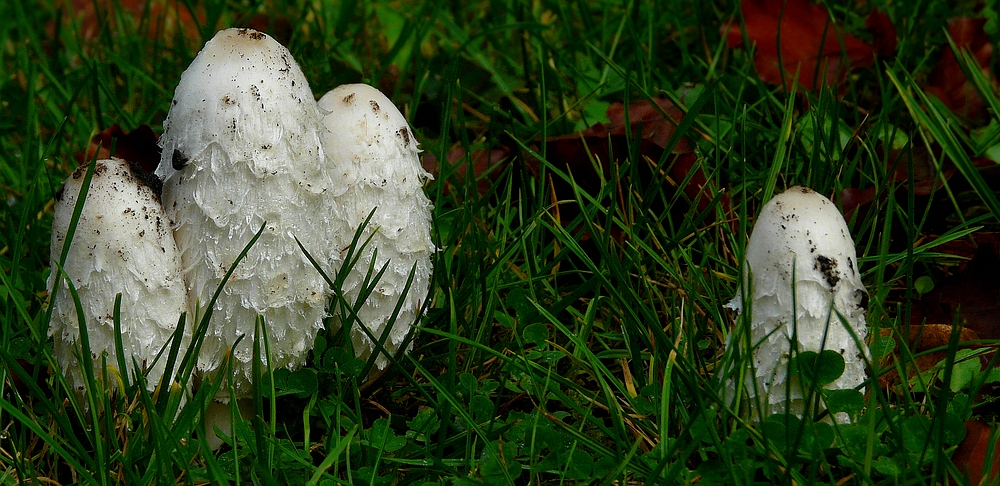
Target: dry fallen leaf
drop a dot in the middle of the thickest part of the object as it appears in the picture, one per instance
(920, 338)
(970, 458)
(972, 294)
(949, 84)
(138, 146)
(164, 17)
(811, 44)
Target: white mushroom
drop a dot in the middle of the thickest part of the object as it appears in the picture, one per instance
(241, 147)
(122, 244)
(373, 152)
(799, 228)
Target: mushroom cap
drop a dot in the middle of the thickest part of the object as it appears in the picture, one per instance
(373, 152)
(122, 244)
(804, 230)
(244, 95)
(241, 147)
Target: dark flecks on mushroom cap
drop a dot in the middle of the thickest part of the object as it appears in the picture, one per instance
(252, 34)
(147, 179)
(828, 267)
(348, 99)
(375, 106)
(99, 170)
(178, 160)
(404, 135)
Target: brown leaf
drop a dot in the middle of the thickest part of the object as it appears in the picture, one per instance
(165, 17)
(655, 128)
(486, 166)
(851, 199)
(810, 43)
(949, 84)
(970, 458)
(883, 34)
(920, 338)
(277, 26)
(972, 295)
(138, 146)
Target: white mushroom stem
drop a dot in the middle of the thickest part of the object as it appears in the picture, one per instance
(803, 230)
(374, 154)
(241, 147)
(123, 244)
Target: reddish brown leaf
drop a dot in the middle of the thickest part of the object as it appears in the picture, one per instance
(584, 155)
(883, 34)
(138, 146)
(698, 188)
(970, 457)
(949, 84)
(486, 166)
(926, 178)
(655, 128)
(973, 293)
(851, 199)
(920, 338)
(277, 26)
(811, 44)
(165, 17)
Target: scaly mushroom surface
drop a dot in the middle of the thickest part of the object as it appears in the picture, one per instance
(123, 244)
(374, 156)
(802, 229)
(241, 148)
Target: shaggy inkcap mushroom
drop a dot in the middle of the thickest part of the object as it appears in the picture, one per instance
(122, 244)
(803, 228)
(241, 147)
(374, 154)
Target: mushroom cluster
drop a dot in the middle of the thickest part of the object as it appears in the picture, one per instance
(248, 150)
(801, 276)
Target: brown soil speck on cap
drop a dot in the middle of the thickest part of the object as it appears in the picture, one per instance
(99, 170)
(375, 106)
(348, 99)
(404, 134)
(828, 267)
(252, 34)
(179, 160)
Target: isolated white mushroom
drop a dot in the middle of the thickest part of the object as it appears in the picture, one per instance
(802, 228)
(241, 147)
(123, 244)
(374, 155)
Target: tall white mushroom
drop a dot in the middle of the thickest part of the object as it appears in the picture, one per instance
(123, 244)
(241, 147)
(374, 154)
(799, 228)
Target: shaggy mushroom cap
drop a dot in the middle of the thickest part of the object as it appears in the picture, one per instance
(373, 152)
(123, 243)
(802, 229)
(241, 147)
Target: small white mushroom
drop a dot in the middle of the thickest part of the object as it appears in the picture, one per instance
(241, 147)
(799, 228)
(374, 154)
(123, 244)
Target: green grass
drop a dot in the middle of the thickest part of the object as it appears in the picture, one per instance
(580, 349)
